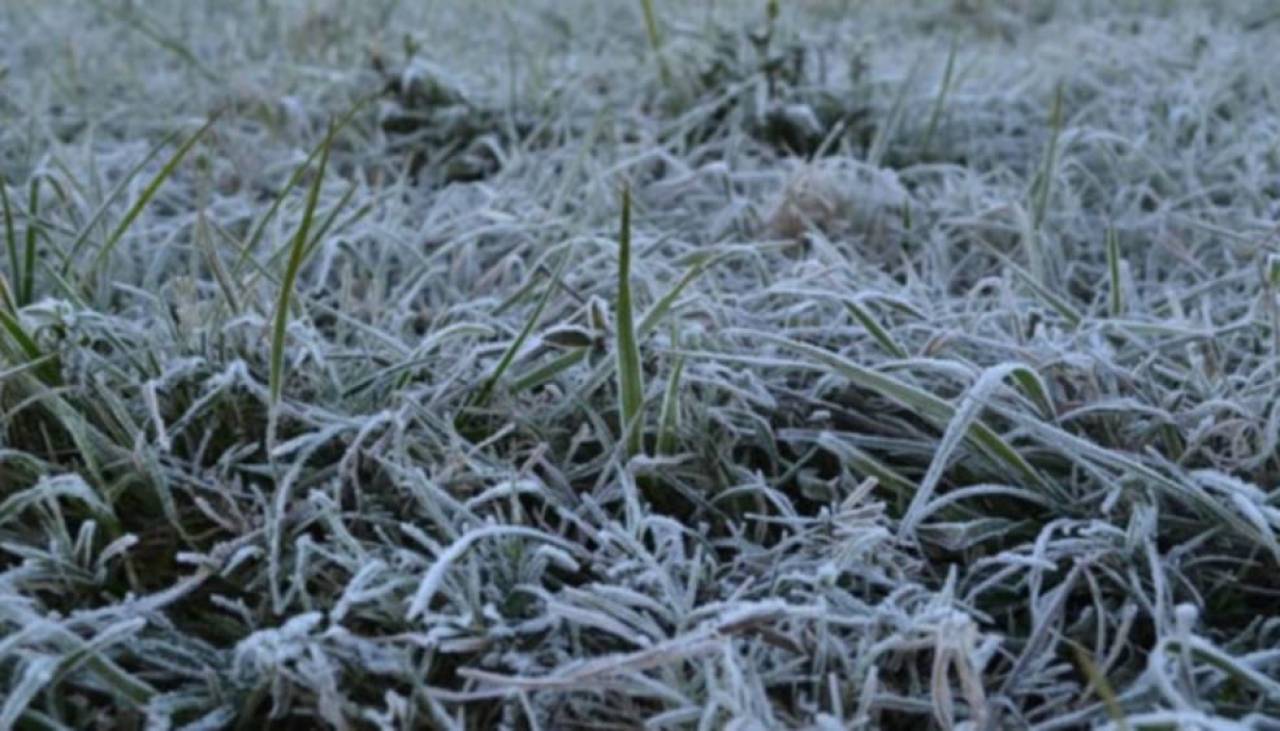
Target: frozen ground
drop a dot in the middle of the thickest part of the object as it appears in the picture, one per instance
(942, 390)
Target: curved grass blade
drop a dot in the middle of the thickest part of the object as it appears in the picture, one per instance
(82, 238)
(923, 402)
(962, 423)
(664, 303)
(48, 371)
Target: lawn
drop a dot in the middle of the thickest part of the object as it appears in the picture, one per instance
(639, 364)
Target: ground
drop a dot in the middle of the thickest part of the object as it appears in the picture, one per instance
(639, 364)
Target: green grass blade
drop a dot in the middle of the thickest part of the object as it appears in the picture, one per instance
(26, 288)
(296, 257)
(885, 132)
(540, 375)
(664, 303)
(939, 103)
(655, 39)
(258, 230)
(100, 261)
(1116, 300)
(205, 243)
(48, 371)
(1044, 183)
(11, 245)
(327, 224)
(630, 384)
(926, 404)
(878, 332)
(669, 416)
(485, 393)
(82, 238)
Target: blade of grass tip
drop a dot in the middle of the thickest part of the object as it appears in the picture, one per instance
(300, 239)
(100, 261)
(11, 245)
(940, 102)
(881, 335)
(1044, 181)
(630, 385)
(1113, 269)
(655, 40)
(669, 416)
(26, 288)
(485, 393)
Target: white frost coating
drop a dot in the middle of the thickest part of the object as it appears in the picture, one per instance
(431, 580)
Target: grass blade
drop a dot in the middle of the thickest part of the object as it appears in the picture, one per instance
(259, 229)
(655, 39)
(1116, 299)
(546, 372)
(485, 393)
(669, 416)
(962, 422)
(49, 371)
(936, 115)
(1044, 182)
(100, 261)
(296, 256)
(869, 323)
(885, 132)
(630, 384)
(26, 288)
(11, 245)
(926, 404)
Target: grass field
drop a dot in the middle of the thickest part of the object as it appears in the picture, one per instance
(639, 364)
